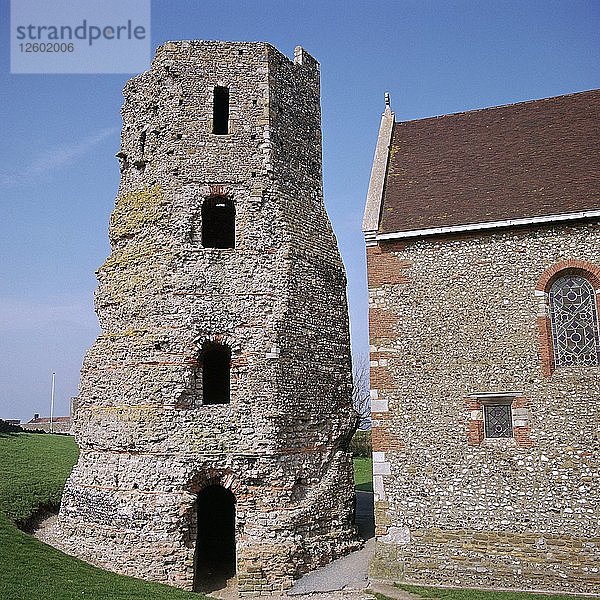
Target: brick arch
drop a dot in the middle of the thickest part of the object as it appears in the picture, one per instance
(239, 358)
(589, 270)
(192, 362)
(584, 268)
(217, 190)
(223, 477)
(224, 339)
(199, 481)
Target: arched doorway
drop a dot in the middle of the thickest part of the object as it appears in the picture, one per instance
(214, 559)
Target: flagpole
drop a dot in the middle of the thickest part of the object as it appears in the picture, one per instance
(52, 405)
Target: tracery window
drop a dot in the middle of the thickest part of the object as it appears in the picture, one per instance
(574, 322)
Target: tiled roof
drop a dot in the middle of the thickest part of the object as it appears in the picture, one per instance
(47, 420)
(518, 161)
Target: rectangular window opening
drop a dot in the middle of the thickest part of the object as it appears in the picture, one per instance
(498, 420)
(221, 110)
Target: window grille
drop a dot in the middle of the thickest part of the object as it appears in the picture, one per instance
(574, 322)
(498, 420)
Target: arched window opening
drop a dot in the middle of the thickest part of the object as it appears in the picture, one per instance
(221, 110)
(214, 560)
(574, 322)
(216, 367)
(218, 222)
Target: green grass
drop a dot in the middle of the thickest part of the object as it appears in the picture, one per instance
(363, 474)
(33, 470)
(455, 594)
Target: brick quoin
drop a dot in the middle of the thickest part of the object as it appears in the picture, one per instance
(385, 441)
(564, 267)
(475, 432)
(381, 379)
(520, 403)
(384, 267)
(545, 345)
(522, 438)
(380, 438)
(379, 355)
(382, 323)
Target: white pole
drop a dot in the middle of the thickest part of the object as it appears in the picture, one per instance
(52, 405)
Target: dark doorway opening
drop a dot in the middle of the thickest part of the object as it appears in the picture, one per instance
(218, 222)
(216, 366)
(214, 560)
(221, 110)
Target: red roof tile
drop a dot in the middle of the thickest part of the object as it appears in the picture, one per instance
(47, 420)
(510, 162)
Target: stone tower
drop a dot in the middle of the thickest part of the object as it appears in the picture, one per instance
(215, 407)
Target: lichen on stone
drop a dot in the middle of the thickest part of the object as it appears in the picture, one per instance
(135, 210)
(135, 266)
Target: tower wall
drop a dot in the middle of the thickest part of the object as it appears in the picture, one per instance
(277, 299)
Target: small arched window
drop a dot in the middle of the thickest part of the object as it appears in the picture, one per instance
(216, 367)
(218, 222)
(574, 322)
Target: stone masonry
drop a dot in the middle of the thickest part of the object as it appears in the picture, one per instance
(451, 318)
(276, 301)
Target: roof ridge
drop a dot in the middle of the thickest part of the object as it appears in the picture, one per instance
(495, 107)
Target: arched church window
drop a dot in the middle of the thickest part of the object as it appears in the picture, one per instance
(218, 222)
(574, 322)
(216, 367)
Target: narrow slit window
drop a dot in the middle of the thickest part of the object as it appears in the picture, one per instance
(218, 222)
(216, 367)
(221, 110)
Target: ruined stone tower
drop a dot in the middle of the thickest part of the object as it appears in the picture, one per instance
(214, 408)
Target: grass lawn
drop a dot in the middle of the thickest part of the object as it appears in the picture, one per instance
(363, 474)
(449, 594)
(33, 470)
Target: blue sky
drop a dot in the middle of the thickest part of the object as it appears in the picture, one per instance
(58, 174)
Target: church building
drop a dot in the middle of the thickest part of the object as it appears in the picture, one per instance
(483, 248)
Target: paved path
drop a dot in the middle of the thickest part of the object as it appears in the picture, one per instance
(350, 572)
(347, 573)
(348, 578)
